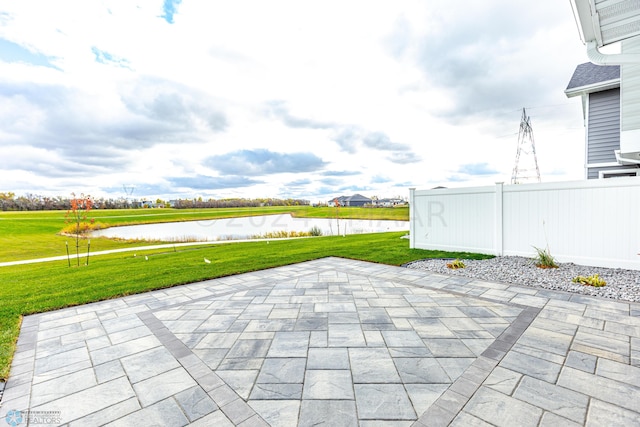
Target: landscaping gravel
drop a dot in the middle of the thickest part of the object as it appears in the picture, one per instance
(621, 284)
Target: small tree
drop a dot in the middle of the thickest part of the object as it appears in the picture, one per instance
(336, 203)
(77, 217)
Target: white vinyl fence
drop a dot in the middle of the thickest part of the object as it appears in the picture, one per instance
(593, 222)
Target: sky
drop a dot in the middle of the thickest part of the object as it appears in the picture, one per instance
(289, 99)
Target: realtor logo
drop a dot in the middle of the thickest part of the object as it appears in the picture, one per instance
(14, 418)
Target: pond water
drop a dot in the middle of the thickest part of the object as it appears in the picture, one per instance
(247, 228)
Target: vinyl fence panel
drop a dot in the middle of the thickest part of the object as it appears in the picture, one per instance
(594, 222)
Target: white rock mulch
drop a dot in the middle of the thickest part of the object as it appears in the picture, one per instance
(621, 284)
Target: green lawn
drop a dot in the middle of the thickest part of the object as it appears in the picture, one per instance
(34, 288)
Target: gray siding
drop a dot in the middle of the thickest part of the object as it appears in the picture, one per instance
(604, 126)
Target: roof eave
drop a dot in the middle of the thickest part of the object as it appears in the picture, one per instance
(595, 87)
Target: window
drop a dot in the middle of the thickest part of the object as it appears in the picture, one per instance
(618, 173)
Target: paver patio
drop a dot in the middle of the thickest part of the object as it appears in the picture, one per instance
(331, 342)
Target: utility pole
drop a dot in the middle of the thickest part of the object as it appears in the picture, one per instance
(526, 167)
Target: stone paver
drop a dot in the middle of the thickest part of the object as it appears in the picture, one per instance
(333, 342)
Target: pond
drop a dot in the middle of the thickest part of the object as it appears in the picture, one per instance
(248, 228)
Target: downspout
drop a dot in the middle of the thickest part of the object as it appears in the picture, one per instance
(599, 58)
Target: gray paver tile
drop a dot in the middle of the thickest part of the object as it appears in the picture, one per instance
(424, 395)
(619, 371)
(556, 399)
(164, 413)
(126, 348)
(532, 366)
(448, 348)
(282, 370)
(195, 403)
(90, 400)
(108, 371)
(249, 348)
(402, 339)
(455, 366)
(503, 380)
(271, 392)
(223, 395)
(383, 402)
(107, 415)
(549, 419)
(431, 328)
(149, 363)
(542, 339)
(241, 381)
(161, 386)
(60, 360)
(335, 413)
(421, 371)
(328, 358)
(327, 384)
(465, 419)
(605, 389)
(372, 365)
(584, 362)
(277, 414)
(602, 413)
(289, 344)
(501, 410)
(346, 335)
(62, 386)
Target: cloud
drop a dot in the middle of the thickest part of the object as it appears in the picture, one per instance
(169, 7)
(380, 141)
(340, 173)
(264, 162)
(279, 110)
(485, 57)
(378, 179)
(347, 139)
(298, 182)
(181, 107)
(202, 182)
(404, 158)
(477, 169)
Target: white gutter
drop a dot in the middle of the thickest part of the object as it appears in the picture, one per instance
(599, 58)
(624, 160)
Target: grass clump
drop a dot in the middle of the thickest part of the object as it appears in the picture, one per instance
(544, 259)
(593, 280)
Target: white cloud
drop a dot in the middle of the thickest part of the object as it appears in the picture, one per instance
(411, 91)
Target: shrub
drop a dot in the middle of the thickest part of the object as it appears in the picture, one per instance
(456, 264)
(315, 231)
(593, 280)
(544, 259)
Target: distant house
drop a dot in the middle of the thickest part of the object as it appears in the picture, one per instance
(388, 202)
(355, 200)
(599, 88)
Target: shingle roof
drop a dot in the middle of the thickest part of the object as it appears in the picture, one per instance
(588, 74)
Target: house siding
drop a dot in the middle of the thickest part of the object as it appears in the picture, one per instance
(603, 132)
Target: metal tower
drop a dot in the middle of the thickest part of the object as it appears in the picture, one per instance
(526, 167)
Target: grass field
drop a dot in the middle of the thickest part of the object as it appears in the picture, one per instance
(25, 235)
(34, 288)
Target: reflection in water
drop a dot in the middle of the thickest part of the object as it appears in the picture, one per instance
(248, 227)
